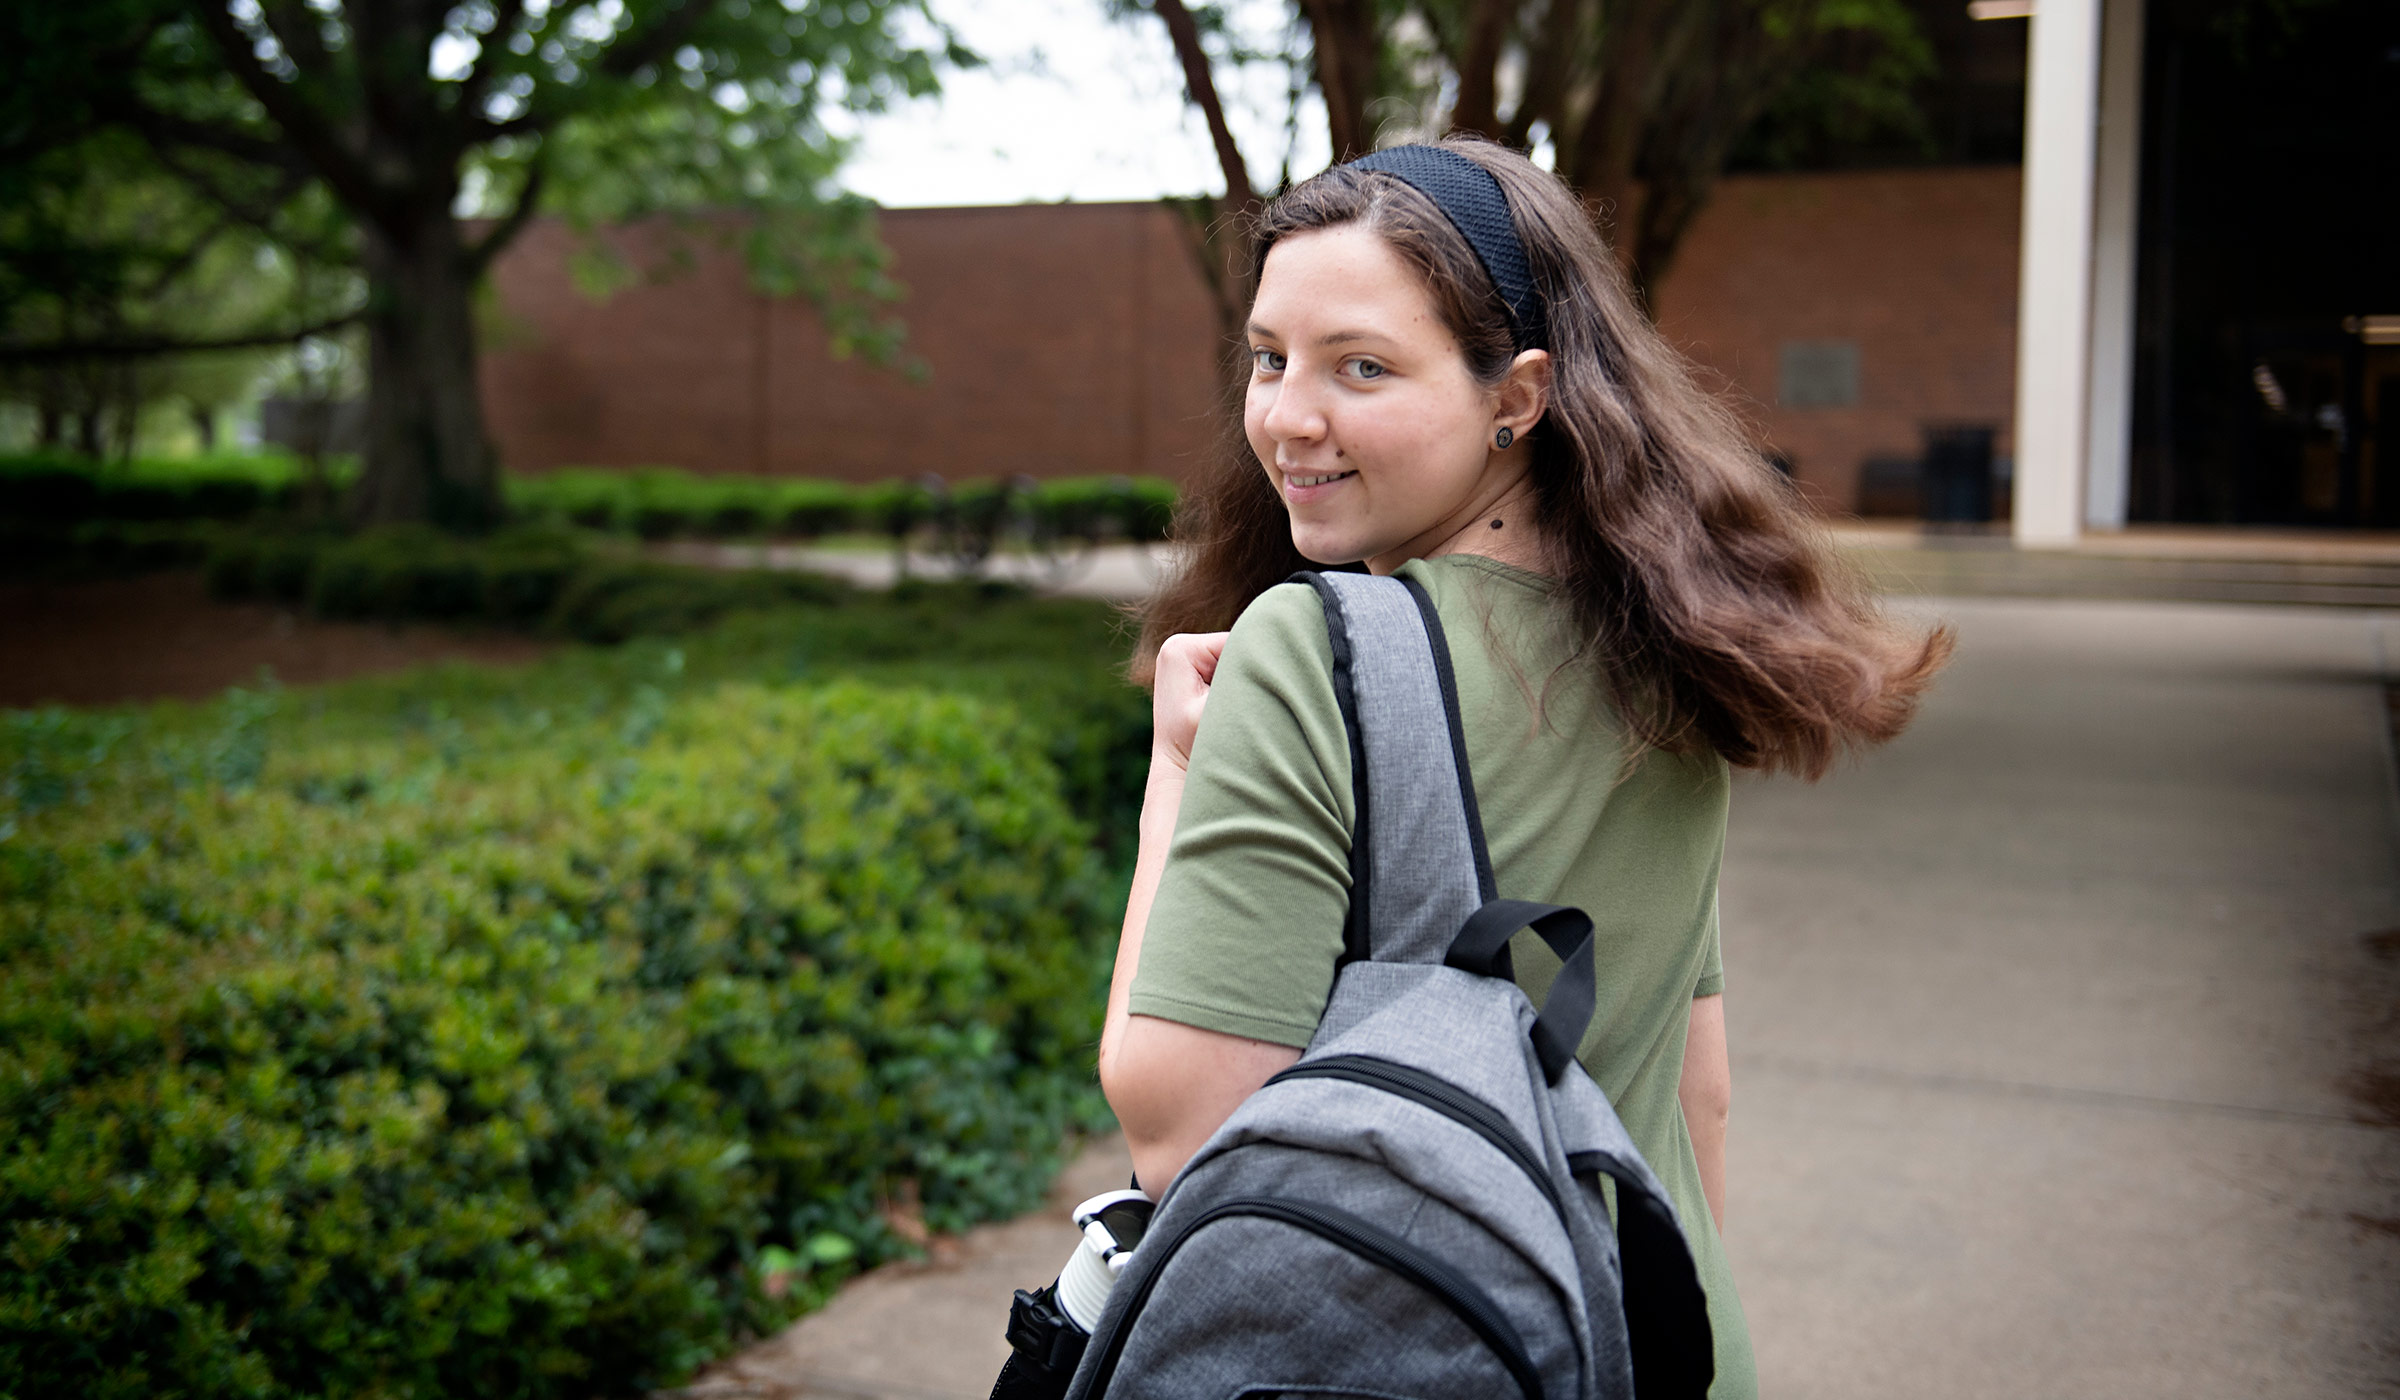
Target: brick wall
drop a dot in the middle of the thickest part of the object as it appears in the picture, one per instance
(1061, 340)
(1916, 268)
(1074, 339)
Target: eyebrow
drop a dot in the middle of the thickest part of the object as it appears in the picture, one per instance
(1329, 338)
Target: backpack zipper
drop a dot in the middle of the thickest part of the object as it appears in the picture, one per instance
(1470, 1304)
(1442, 1097)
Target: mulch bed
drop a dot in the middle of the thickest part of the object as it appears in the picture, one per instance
(161, 636)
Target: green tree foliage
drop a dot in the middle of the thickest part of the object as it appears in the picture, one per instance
(1642, 101)
(99, 247)
(349, 134)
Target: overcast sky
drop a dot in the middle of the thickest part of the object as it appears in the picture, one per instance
(1075, 106)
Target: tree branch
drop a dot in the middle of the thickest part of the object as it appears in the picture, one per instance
(258, 217)
(296, 30)
(478, 83)
(162, 130)
(503, 233)
(193, 250)
(632, 54)
(150, 346)
(308, 131)
(1200, 84)
(167, 136)
(623, 59)
(523, 124)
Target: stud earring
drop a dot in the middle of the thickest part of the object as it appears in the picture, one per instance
(1506, 436)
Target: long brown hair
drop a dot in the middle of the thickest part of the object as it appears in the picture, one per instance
(1701, 589)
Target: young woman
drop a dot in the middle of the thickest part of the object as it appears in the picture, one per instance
(1634, 599)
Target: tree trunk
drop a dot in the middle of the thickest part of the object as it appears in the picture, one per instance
(1601, 165)
(1477, 107)
(427, 457)
(1549, 70)
(1345, 38)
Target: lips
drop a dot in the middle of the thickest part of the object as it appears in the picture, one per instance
(1299, 486)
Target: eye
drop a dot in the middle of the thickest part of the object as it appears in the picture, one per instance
(1367, 369)
(1266, 361)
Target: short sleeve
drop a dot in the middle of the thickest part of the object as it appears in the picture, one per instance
(1712, 968)
(1247, 925)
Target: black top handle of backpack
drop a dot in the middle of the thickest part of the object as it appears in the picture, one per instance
(1482, 947)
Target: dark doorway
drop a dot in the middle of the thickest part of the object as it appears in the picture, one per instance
(2269, 284)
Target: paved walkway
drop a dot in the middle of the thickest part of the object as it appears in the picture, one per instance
(2155, 564)
(1115, 572)
(2046, 1021)
(2067, 1057)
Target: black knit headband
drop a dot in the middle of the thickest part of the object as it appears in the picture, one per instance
(1470, 198)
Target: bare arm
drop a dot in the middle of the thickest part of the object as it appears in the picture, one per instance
(1171, 1085)
(1707, 1094)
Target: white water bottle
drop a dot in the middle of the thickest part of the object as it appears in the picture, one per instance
(1112, 1224)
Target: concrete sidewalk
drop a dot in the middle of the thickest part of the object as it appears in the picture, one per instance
(2065, 1052)
(1115, 572)
(2047, 1021)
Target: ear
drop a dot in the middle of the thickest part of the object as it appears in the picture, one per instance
(1523, 397)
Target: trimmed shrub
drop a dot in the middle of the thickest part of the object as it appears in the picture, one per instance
(107, 547)
(895, 508)
(398, 572)
(101, 548)
(269, 564)
(809, 509)
(33, 490)
(612, 602)
(530, 577)
(1101, 507)
(591, 499)
(660, 503)
(495, 1055)
(58, 491)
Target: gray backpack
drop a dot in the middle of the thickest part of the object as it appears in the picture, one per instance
(1421, 1207)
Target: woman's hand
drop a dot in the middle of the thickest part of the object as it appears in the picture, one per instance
(1187, 663)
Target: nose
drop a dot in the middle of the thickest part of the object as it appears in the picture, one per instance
(1293, 410)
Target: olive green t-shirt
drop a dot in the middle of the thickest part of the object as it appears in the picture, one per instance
(1247, 924)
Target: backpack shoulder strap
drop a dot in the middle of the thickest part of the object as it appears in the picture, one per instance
(1418, 865)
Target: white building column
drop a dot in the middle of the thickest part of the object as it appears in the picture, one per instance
(2054, 279)
(2108, 469)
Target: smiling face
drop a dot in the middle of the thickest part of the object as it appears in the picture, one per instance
(1372, 427)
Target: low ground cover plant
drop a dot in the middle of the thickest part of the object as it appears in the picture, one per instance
(540, 1033)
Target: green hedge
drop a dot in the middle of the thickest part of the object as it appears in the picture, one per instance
(102, 548)
(491, 1034)
(46, 499)
(660, 503)
(56, 490)
(544, 579)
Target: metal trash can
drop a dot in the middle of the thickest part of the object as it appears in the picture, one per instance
(1956, 480)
